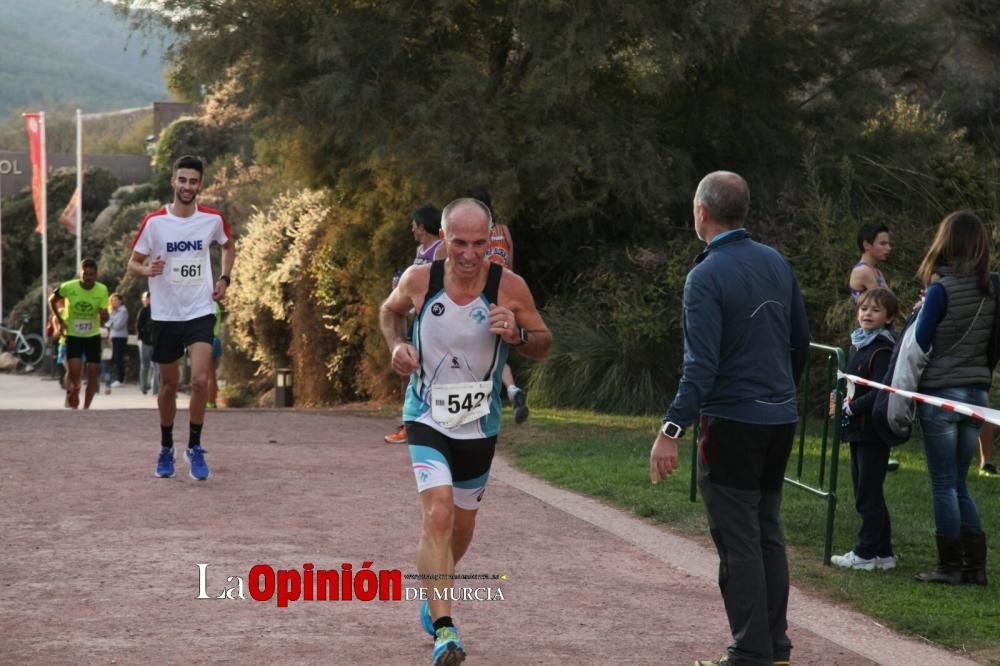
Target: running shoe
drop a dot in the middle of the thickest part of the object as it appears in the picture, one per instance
(117, 384)
(886, 563)
(426, 621)
(196, 458)
(850, 560)
(520, 403)
(448, 650)
(708, 662)
(165, 464)
(398, 437)
(893, 465)
(988, 469)
(210, 405)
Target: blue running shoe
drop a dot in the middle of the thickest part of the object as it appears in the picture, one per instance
(448, 650)
(165, 465)
(196, 458)
(426, 621)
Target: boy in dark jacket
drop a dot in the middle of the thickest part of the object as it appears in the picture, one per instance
(871, 349)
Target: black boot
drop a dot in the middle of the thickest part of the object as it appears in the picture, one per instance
(949, 567)
(974, 558)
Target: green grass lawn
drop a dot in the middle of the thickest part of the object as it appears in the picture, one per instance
(607, 457)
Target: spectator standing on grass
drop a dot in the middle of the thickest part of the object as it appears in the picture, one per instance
(871, 348)
(947, 356)
(873, 243)
(746, 340)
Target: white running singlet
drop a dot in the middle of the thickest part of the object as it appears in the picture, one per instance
(184, 290)
(455, 348)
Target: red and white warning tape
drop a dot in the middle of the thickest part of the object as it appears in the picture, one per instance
(972, 411)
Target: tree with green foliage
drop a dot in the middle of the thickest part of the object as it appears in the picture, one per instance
(590, 122)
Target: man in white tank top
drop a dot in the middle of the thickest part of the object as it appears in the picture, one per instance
(468, 315)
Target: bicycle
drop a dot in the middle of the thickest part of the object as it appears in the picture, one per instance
(28, 347)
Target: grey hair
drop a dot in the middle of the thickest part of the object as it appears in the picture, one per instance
(726, 196)
(458, 203)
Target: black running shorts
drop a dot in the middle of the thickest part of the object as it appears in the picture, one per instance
(171, 337)
(89, 347)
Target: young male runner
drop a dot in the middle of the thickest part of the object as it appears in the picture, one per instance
(86, 308)
(177, 237)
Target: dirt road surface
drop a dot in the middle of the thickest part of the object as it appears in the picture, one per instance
(99, 560)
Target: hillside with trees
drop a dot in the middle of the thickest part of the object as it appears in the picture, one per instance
(66, 53)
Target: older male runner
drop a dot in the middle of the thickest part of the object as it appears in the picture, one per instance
(470, 311)
(178, 237)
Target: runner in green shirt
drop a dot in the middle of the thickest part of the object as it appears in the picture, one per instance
(85, 310)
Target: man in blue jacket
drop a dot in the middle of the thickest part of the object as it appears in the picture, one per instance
(746, 339)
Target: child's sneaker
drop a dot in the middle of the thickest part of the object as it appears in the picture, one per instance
(885, 563)
(851, 561)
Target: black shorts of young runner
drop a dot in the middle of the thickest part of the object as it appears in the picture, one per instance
(89, 347)
(171, 337)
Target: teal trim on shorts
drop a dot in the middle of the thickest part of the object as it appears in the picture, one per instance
(420, 453)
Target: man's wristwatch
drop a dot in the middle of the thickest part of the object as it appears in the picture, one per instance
(672, 430)
(523, 332)
(225, 278)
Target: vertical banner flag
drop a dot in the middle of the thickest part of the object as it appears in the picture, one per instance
(68, 217)
(35, 127)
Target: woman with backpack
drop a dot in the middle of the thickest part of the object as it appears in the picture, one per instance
(950, 352)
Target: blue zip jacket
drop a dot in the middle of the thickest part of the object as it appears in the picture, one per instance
(746, 336)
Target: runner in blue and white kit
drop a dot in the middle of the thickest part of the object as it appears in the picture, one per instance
(469, 312)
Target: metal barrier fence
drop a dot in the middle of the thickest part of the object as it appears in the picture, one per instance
(826, 488)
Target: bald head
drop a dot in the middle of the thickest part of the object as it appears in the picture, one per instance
(466, 210)
(725, 197)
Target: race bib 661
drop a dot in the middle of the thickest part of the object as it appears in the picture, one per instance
(186, 272)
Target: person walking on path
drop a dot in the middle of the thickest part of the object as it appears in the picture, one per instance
(176, 239)
(144, 329)
(425, 223)
(118, 332)
(84, 312)
(470, 312)
(746, 340)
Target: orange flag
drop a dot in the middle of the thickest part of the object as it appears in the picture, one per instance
(36, 129)
(68, 216)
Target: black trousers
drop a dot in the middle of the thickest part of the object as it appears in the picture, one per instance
(741, 475)
(118, 357)
(869, 464)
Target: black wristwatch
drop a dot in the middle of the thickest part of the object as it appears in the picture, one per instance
(523, 332)
(672, 430)
(225, 278)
